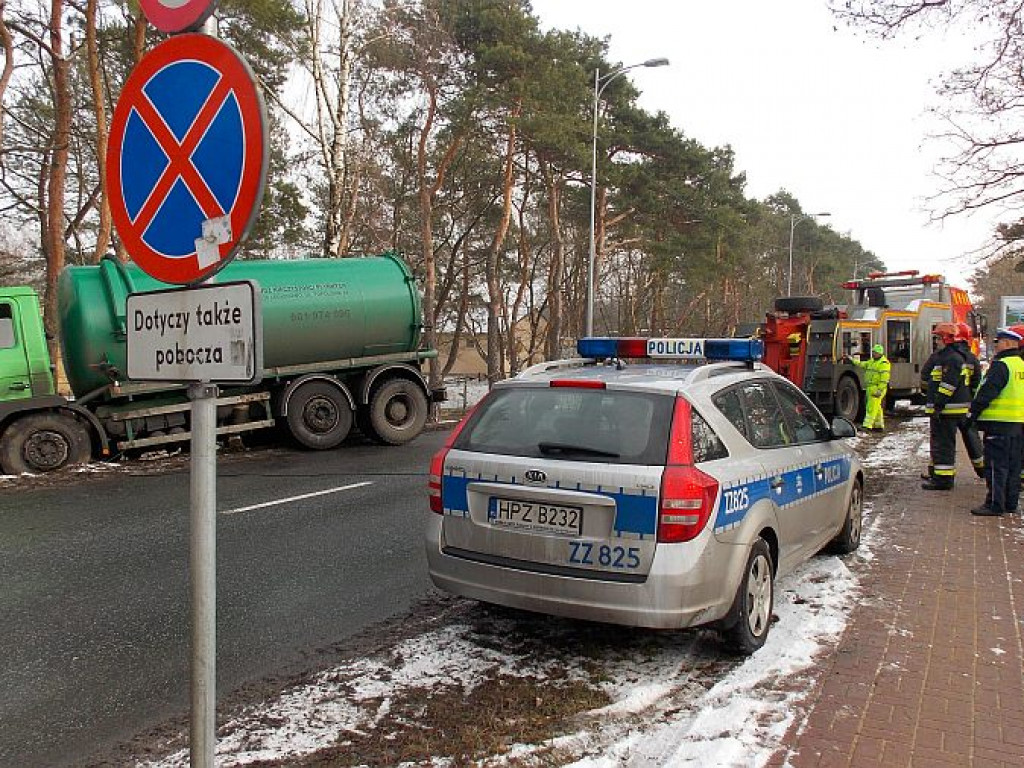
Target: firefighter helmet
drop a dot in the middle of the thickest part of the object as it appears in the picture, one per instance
(945, 331)
(963, 331)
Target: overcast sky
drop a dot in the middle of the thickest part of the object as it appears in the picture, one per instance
(835, 117)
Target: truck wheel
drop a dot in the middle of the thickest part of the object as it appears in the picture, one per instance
(319, 415)
(798, 304)
(398, 412)
(848, 399)
(43, 442)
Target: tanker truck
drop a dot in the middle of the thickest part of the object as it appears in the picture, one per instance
(341, 345)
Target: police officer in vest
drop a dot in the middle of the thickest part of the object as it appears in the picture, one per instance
(972, 377)
(998, 408)
(947, 404)
(876, 383)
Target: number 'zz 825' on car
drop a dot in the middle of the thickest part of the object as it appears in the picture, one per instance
(651, 495)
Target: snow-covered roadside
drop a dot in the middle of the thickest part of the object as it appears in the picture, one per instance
(666, 707)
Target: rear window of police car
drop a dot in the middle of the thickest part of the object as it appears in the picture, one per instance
(578, 424)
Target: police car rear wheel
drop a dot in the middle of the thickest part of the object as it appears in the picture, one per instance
(751, 615)
(848, 538)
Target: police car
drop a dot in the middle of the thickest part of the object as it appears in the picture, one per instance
(651, 495)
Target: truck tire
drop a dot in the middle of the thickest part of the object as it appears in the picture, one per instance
(319, 415)
(398, 412)
(798, 304)
(848, 402)
(44, 442)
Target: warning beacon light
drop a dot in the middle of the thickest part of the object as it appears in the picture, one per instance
(692, 350)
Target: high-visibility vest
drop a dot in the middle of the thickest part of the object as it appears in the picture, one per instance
(876, 372)
(1008, 405)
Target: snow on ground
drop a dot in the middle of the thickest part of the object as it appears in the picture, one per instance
(662, 712)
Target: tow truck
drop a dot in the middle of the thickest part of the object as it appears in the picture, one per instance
(805, 341)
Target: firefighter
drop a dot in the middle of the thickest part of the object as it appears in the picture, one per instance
(876, 382)
(972, 377)
(998, 408)
(948, 401)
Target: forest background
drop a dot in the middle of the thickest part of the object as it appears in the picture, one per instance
(457, 133)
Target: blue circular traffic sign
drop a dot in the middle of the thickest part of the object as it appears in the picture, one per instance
(187, 158)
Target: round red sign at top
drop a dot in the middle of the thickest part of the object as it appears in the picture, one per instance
(173, 16)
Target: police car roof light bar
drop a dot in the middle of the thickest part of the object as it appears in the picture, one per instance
(692, 350)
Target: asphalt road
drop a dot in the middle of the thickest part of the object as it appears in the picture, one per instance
(95, 607)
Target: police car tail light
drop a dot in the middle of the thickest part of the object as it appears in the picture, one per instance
(687, 498)
(437, 463)
(687, 494)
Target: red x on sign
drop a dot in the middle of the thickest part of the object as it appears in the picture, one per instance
(187, 158)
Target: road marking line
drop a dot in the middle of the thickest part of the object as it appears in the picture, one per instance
(295, 498)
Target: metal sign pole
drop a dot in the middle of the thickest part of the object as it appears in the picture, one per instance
(203, 563)
(203, 568)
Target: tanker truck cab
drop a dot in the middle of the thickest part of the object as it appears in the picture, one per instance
(39, 430)
(25, 369)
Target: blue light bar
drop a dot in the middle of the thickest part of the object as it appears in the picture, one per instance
(745, 350)
(597, 347)
(689, 349)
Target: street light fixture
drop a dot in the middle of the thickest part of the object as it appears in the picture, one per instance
(600, 83)
(795, 219)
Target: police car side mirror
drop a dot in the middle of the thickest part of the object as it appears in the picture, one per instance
(842, 428)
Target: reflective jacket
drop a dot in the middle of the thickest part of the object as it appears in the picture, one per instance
(1000, 399)
(972, 366)
(876, 374)
(948, 393)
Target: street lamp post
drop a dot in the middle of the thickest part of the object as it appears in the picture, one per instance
(600, 83)
(795, 219)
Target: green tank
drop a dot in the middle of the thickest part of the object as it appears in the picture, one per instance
(314, 311)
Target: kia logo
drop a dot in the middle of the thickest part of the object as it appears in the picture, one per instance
(536, 476)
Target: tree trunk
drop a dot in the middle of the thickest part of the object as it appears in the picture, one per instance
(556, 296)
(495, 369)
(139, 36)
(426, 199)
(100, 106)
(57, 171)
(8, 45)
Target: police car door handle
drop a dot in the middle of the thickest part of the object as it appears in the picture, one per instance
(776, 483)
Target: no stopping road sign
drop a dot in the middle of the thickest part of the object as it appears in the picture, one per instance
(187, 158)
(177, 15)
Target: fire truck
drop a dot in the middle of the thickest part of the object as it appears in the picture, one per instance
(806, 341)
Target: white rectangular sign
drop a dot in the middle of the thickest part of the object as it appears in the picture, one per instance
(680, 349)
(1011, 310)
(208, 333)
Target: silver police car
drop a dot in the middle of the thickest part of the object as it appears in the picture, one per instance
(648, 495)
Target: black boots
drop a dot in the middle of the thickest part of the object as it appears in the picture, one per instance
(935, 485)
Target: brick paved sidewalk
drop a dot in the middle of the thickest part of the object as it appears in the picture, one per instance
(929, 671)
